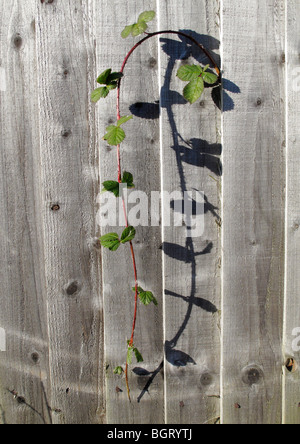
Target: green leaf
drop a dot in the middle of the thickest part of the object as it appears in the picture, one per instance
(138, 355)
(140, 290)
(189, 72)
(118, 371)
(209, 78)
(124, 120)
(132, 349)
(114, 76)
(102, 79)
(115, 135)
(147, 297)
(99, 93)
(127, 31)
(139, 28)
(112, 85)
(128, 235)
(129, 355)
(128, 179)
(193, 91)
(112, 186)
(110, 80)
(147, 16)
(110, 241)
(109, 128)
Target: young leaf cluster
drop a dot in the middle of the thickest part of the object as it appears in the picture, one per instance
(141, 26)
(112, 241)
(114, 187)
(118, 371)
(115, 133)
(132, 350)
(110, 80)
(197, 77)
(146, 297)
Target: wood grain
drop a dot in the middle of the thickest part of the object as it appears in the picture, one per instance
(70, 184)
(24, 368)
(140, 156)
(292, 312)
(253, 212)
(190, 143)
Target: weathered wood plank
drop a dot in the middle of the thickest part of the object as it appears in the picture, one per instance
(141, 157)
(190, 143)
(24, 380)
(69, 163)
(253, 44)
(292, 277)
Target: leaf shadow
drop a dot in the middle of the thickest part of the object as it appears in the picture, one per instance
(177, 358)
(145, 110)
(201, 154)
(198, 302)
(142, 372)
(184, 254)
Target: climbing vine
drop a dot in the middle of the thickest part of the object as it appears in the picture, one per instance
(196, 78)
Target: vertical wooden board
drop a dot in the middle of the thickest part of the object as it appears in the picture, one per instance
(140, 156)
(24, 357)
(253, 41)
(292, 311)
(69, 162)
(190, 143)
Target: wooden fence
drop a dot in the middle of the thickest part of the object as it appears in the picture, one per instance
(216, 348)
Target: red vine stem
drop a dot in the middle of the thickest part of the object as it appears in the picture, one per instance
(149, 36)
